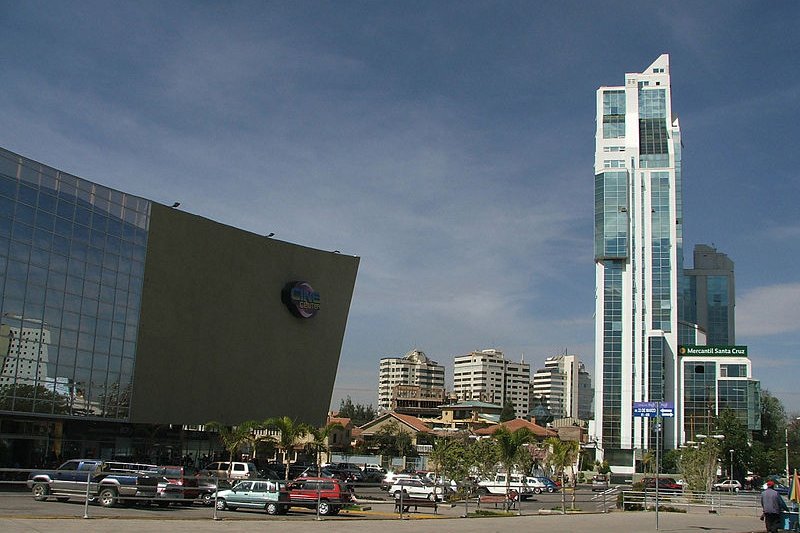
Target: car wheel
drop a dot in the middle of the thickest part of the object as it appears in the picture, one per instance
(550, 489)
(221, 505)
(431, 496)
(324, 508)
(207, 498)
(40, 491)
(483, 491)
(537, 490)
(271, 508)
(107, 497)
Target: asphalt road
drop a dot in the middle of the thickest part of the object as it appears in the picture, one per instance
(19, 512)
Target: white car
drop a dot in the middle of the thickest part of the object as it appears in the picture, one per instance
(391, 477)
(731, 485)
(414, 488)
(536, 485)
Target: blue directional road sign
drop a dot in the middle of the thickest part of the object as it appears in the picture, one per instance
(651, 409)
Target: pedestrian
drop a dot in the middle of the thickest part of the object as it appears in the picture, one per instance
(772, 505)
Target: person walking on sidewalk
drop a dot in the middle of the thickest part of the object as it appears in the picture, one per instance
(772, 505)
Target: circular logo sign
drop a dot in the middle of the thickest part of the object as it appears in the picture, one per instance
(301, 299)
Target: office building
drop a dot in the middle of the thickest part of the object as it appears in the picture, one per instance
(124, 320)
(488, 377)
(564, 387)
(638, 248)
(421, 380)
(715, 378)
(710, 299)
(650, 313)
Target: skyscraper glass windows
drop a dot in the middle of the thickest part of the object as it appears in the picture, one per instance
(611, 214)
(661, 307)
(614, 114)
(73, 257)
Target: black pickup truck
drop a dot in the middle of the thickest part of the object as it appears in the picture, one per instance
(107, 482)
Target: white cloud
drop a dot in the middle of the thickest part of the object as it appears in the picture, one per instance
(771, 310)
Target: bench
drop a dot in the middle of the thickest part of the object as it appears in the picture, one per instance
(415, 503)
(497, 498)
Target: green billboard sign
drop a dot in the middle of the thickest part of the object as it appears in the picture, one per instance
(735, 351)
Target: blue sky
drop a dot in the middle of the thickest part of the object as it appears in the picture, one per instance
(448, 144)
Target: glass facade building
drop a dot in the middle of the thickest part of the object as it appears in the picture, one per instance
(710, 298)
(637, 236)
(107, 337)
(647, 305)
(72, 261)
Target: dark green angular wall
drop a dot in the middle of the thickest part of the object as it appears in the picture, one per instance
(215, 340)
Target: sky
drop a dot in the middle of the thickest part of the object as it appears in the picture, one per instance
(449, 145)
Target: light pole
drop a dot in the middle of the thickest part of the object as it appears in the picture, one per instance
(786, 441)
(731, 471)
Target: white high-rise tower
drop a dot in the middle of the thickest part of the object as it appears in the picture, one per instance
(638, 258)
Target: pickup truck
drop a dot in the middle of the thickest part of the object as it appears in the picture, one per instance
(497, 485)
(107, 482)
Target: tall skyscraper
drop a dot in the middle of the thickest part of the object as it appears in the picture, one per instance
(489, 377)
(564, 386)
(414, 369)
(710, 299)
(638, 258)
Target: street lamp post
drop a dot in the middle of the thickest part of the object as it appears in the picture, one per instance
(731, 470)
(786, 441)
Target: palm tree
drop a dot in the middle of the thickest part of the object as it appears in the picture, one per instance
(291, 432)
(562, 455)
(509, 446)
(231, 437)
(255, 433)
(320, 442)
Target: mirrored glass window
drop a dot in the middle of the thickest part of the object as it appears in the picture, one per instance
(71, 255)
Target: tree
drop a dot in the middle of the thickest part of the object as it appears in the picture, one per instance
(510, 446)
(291, 433)
(737, 438)
(562, 455)
(391, 440)
(452, 459)
(698, 465)
(255, 433)
(357, 413)
(768, 453)
(670, 461)
(508, 412)
(231, 437)
(320, 441)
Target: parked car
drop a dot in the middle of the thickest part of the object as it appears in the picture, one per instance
(347, 471)
(536, 485)
(780, 488)
(415, 488)
(373, 475)
(331, 493)
(497, 485)
(390, 477)
(177, 485)
(549, 484)
(270, 495)
(666, 484)
(225, 470)
(730, 485)
(599, 482)
(104, 482)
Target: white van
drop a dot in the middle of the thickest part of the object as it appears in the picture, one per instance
(226, 470)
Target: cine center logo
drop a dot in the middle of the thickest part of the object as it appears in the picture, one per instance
(301, 299)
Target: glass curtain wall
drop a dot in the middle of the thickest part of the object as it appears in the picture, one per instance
(71, 271)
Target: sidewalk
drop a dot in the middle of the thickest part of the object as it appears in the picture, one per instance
(615, 522)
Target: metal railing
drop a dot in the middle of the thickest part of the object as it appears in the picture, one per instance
(714, 502)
